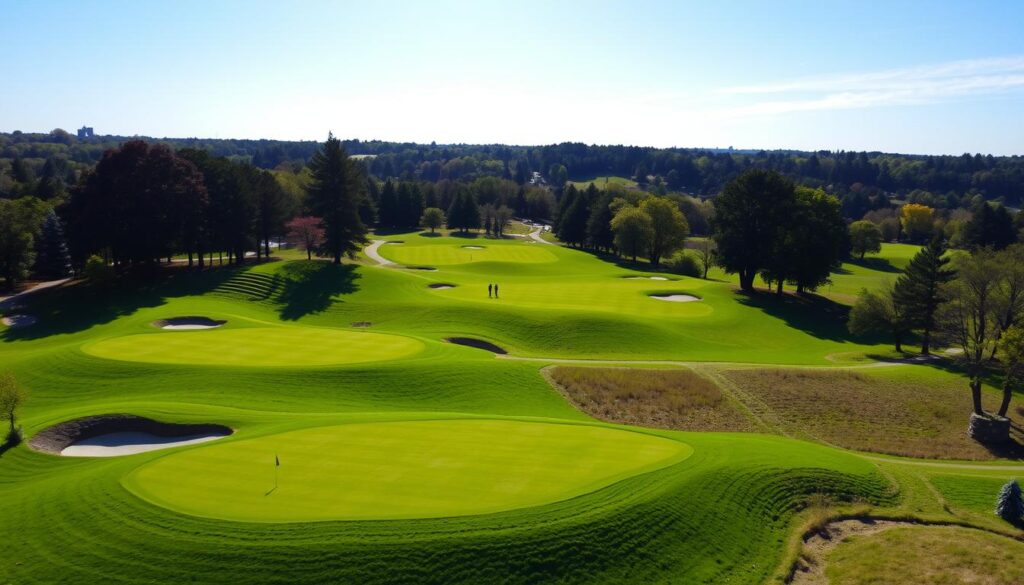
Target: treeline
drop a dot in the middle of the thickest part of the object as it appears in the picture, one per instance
(857, 178)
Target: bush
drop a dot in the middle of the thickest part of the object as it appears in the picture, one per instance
(97, 270)
(1010, 504)
(685, 264)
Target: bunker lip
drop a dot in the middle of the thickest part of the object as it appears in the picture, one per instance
(187, 323)
(121, 434)
(19, 320)
(675, 297)
(477, 344)
(441, 285)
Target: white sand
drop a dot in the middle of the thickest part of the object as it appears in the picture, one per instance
(19, 320)
(676, 298)
(129, 443)
(646, 278)
(442, 287)
(473, 247)
(188, 327)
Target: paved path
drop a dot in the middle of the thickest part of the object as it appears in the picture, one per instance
(373, 254)
(7, 302)
(535, 235)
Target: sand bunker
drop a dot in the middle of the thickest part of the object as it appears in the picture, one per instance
(188, 323)
(441, 285)
(645, 278)
(477, 344)
(111, 435)
(473, 247)
(427, 268)
(361, 324)
(19, 320)
(676, 298)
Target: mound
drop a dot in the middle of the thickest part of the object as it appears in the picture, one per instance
(406, 469)
(19, 320)
(675, 297)
(120, 434)
(476, 343)
(188, 323)
(441, 285)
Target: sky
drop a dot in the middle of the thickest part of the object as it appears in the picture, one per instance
(896, 76)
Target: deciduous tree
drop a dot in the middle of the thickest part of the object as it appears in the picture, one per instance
(432, 218)
(865, 238)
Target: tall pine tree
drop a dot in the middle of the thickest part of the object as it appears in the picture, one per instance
(918, 290)
(334, 196)
(53, 260)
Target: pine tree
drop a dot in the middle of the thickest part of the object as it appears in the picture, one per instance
(334, 196)
(1010, 503)
(53, 260)
(919, 289)
(388, 211)
(599, 224)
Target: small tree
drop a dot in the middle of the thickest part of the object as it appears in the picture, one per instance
(502, 217)
(668, 227)
(53, 259)
(12, 397)
(1011, 357)
(432, 218)
(920, 289)
(865, 237)
(1009, 503)
(878, 312)
(96, 270)
(307, 232)
(705, 255)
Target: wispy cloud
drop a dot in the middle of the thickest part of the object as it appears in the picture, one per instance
(892, 87)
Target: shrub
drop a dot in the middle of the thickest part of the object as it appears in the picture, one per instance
(97, 270)
(685, 264)
(1009, 503)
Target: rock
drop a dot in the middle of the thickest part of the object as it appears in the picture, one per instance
(989, 428)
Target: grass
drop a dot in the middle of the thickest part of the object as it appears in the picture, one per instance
(440, 439)
(668, 399)
(600, 182)
(407, 469)
(931, 555)
(923, 411)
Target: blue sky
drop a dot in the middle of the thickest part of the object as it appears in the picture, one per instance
(922, 77)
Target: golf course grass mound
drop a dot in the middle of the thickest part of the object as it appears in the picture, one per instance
(257, 346)
(392, 470)
(188, 323)
(127, 434)
(477, 344)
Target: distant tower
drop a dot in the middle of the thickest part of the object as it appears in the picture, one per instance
(85, 132)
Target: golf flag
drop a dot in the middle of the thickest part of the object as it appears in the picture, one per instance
(277, 460)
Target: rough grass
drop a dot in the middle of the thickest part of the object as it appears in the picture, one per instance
(927, 556)
(667, 399)
(923, 415)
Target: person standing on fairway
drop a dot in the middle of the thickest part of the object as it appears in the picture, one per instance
(489, 287)
(495, 290)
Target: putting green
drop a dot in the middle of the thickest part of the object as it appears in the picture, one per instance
(448, 254)
(258, 346)
(409, 469)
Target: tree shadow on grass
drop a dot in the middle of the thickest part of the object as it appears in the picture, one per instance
(79, 305)
(878, 264)
(310, 286)
(811, 313)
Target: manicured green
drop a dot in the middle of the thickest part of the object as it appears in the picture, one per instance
(418, 469)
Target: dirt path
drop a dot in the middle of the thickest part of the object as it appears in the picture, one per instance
(10, 301)
(373, 254)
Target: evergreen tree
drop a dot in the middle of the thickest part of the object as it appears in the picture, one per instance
(334, 196)
(1010, 503)
(919, 289)
(573, 230)
(464, 214)
(599, 224)
(53, 260)
(388, 210)
(569, 195)
(990, 227)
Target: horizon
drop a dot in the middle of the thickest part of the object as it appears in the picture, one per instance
(932, 79)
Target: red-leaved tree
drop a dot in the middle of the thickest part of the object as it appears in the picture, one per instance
(306, 231)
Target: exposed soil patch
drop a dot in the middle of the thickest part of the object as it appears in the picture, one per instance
(122, 428)
(19, 320)
(869, 412)
(361, 324)
(441, 285)
(675, 297)
(665, 399)
(810, 567)
(188, 323)
(476, 343)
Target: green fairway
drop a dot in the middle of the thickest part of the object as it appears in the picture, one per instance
(257, 346)
(446, 253)
(419, 469)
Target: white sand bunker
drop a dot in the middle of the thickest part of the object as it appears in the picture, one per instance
(441, 285)
(646, 278)
(473, 247)
(19, 320)
(188, 323)
(112, 435)
(676, 298)
(129, 443)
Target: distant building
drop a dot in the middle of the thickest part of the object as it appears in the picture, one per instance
(85, 132)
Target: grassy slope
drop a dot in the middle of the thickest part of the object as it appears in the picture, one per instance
(721, 515)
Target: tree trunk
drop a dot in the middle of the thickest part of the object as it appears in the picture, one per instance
(746, 280)
(1007, 395)
(976, 395)
(778, 288)
(309, 254)
(899, 344)
(266, 248)
(190, 259)
(926, 341)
